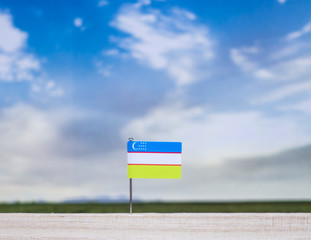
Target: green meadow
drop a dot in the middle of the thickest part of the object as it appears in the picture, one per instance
(158, 207)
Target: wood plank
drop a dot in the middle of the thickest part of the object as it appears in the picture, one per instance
(179, 226)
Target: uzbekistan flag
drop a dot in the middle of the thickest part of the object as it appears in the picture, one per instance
(153, 159)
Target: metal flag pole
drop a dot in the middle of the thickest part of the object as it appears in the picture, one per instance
(131, 188)
(131, 202)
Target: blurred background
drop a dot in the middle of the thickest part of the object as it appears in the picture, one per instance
(229, 79)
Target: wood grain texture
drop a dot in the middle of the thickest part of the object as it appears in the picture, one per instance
(179, 226)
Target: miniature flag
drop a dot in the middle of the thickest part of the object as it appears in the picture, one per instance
(153, 159)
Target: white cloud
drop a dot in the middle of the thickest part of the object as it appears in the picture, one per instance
(141, 3)
(29, 128)
(302, 106)
(103, 3)
(12, 39)
(287, 63)
(286, 91)
(282, 1)
(15, 63)
(173, 43)
(297, 34)
(291, 50)
(212, 143)
(286, 69)
(47, 87)
(78, 22)
(211, 138)
(242, 57)
(293, 69)
(239, 57)
(111, 52)
(18, 67)
(184, 13)
(37, 163)
(27, 140)
(102, 69)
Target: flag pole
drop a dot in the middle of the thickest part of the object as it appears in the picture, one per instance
(131, 188)
(131, 202)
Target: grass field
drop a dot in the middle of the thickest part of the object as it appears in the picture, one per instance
(203, 207)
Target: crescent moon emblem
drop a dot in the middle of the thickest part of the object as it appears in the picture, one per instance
(133, 146)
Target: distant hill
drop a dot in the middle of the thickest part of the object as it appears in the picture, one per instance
(98, 199)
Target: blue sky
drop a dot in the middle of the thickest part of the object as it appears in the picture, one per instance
(230, 79)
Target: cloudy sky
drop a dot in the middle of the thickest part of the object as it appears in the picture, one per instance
(230, 79)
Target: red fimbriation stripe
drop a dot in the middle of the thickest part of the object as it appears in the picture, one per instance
(154, 164)
(158, 152)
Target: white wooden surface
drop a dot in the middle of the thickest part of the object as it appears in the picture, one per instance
(156, 226)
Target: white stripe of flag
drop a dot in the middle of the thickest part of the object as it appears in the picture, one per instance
(154, 158)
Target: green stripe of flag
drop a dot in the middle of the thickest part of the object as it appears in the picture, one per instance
(153, 171)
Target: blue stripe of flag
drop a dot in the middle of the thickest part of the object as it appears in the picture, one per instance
(163, 147)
